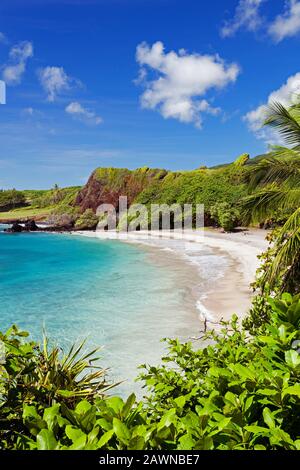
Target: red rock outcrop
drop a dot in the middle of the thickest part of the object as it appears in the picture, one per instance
(106, 185)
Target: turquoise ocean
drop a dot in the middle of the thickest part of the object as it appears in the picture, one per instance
(114, 294)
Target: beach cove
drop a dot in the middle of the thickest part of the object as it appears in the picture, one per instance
(221, 291)
(125, 297)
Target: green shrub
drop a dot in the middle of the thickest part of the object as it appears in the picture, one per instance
(42, 376)
(225, 216)
(88, 220)
(242, 160)
(11, 198)
(206, 187)
(238, 392)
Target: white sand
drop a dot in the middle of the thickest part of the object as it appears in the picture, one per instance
(231, 292)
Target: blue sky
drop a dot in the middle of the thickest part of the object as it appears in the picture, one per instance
(128, 83)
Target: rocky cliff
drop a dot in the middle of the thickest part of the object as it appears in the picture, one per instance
(106, 185)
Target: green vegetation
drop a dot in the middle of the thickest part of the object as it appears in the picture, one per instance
(240, 392)
(225, 216)
(26, 213)
(87, 221)
(206, 187)
(275, 187)
(42, 376)
(242, 159)
(36, 204)
(10, 199)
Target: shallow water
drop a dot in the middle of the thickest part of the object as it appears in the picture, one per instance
(107, 291)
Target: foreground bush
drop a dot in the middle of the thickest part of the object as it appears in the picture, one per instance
(239, 392)
(43, 376)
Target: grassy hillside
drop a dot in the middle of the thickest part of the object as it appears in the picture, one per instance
(36, 204)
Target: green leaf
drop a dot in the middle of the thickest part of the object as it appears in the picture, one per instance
(268, 418)
(223, 423)
(180, 401)
(105, 438)
(206, 443)
(30, 412)
(46, 440)
(32, 420)
(244, 372)
(292, 358)
(79, 444)
(293, 390)
(128, 405)
(51, 414)
(116, 404)
(267, 392)
(121, 431)
(168, 418)
(73, 433)
(136, 443)
(82, 407)
(186, 442)
(65, 393)
(93, 435)
(231, 399)
(257, 429)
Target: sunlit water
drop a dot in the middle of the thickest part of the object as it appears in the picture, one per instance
(113, 293)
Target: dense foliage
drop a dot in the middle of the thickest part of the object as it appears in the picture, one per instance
(43, 376)
(225, 216)
(274, 184)
(54, 197)
(87, 221)
(238, 392)
(207, 186)
(11, 198)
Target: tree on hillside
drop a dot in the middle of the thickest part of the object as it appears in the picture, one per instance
(276, 184)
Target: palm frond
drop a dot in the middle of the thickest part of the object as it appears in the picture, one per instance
(274, 170)
(287, 252)
(285, 121)
(277, 151)
(264, 203)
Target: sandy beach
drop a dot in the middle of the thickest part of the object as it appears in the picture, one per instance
(219, 297)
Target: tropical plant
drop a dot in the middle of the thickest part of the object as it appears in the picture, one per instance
(275, 181)
(225, 215)
(239, 392)
(43, 375)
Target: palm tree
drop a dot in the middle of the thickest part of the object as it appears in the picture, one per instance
(275, 181)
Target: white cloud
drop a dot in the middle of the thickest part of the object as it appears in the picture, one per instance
(28, 111)
(31, 112)
(76, 110)
(287, 94)
(287, 24)
(18, 57)
(247, 16)
(55, 81)
(3, 38)
(183, 80)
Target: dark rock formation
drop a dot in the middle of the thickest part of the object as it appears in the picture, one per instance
(30, 226)
(15, 228)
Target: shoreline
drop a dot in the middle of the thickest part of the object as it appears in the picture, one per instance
(227, 294)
